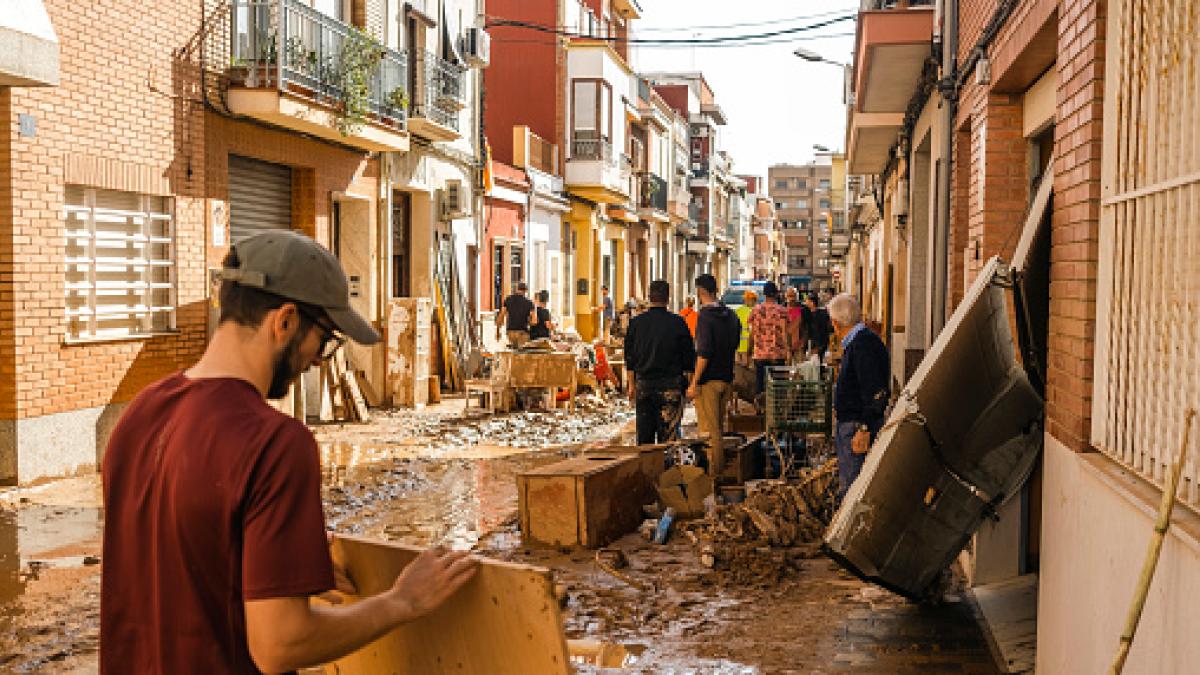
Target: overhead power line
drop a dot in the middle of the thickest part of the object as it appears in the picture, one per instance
(550, 41)
(697, 41)
(746, 24)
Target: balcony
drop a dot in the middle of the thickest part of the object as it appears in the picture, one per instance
(534, 152)
(891, 48)
(594, 172)
(28, 46)
(652, 196)
(296, 68)
(441, 95)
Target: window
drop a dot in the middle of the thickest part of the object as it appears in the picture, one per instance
(517, 267)
(800, 183)
(823, 184)
(781, 184)
(825, 204)
(802, 203)
(592, 110)
(120, 263)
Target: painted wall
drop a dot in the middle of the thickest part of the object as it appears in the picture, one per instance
(517, 61)
(1098, 521)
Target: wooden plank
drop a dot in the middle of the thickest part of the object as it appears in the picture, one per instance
(326, 410)
(368, 390)
(355, 398)
(505, 621)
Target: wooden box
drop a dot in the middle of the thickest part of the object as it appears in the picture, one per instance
(587, 501)
(652, 461)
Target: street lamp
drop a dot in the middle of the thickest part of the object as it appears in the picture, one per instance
(814, 57)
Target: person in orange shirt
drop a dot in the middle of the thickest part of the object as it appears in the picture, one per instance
(689, 314)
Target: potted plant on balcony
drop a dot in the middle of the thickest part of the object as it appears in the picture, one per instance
(358, 62)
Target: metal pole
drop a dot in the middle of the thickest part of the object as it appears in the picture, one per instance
(941, 234)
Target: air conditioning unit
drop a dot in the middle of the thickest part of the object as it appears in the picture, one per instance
(454, 200)
(477, 47)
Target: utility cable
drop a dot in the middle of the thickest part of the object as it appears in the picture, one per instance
(504, 23)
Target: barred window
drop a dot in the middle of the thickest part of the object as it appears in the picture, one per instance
(120, 263)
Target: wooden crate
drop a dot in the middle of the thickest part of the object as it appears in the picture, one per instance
(587, 501)
(651, 461)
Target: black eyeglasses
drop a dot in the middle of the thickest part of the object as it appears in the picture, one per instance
(330, 340)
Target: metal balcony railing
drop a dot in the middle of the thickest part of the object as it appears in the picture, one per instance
(591, 149)
(653, 192)
(288, 45)
(441, 89)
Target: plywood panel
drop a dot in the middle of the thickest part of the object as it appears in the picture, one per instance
(505, 621)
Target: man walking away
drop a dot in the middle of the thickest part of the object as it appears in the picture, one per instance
(769, 334)
(542, 326)
(516, 314)
(689, 314)
(717, 333)
(214, 537)
(658, 352)
(860, 396)
(797, 324)
(819, 326)
(749, 300)
(607, 312)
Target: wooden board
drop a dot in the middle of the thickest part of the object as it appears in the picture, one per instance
(588, 501)
(505, 621)
(355, 398)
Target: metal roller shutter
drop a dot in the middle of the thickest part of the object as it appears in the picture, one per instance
(260, 197)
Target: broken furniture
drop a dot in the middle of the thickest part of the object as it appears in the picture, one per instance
(588, 501)
(408, 333)
(542, 370)
(504, 621)
(493, 388)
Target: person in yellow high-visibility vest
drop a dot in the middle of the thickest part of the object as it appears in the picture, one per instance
(749, 300)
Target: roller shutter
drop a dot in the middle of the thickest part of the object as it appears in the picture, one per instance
(260, 197)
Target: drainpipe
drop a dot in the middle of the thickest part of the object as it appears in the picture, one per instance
(948, 89)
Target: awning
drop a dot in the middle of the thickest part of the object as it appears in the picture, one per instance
(963, 435)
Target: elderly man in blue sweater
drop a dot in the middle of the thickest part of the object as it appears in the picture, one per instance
(860, 396)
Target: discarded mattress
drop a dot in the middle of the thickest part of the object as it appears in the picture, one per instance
(962, 438)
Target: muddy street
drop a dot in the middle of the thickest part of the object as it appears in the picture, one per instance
(435, 476)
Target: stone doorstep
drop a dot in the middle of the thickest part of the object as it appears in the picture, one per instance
(1007, 613)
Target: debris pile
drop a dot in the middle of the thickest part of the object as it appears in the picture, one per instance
(761, 539)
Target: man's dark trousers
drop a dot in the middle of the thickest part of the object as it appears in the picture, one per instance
(659, 407)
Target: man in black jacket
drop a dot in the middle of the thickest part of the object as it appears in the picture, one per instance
(658, 351)
(718, 332)
(860, 396)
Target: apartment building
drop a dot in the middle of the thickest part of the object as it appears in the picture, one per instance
(124, 186)
(803, 201)
(590, 112)
(765, 240)
(1055, 147)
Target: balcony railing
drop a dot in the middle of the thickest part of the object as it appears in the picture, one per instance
(591, 149)
(288, 45)
(441, 90)
(543, 155)
(653, 193)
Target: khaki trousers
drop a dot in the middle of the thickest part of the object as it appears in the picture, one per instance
(712, 399)
(517, 338)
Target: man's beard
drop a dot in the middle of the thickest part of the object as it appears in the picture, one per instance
(285, 371)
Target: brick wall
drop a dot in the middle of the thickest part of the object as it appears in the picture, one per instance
(960, 210)
(130, 108)
(1076, 219)
(8, 364)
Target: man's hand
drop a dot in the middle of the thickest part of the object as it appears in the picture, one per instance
(861, 442)
(429, 580)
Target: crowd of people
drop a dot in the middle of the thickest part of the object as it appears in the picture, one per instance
(692, 355)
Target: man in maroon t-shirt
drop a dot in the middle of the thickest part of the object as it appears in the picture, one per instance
(214, 535)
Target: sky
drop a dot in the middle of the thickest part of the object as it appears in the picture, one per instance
(777, 105)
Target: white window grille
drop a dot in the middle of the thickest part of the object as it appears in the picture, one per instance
(1147, 363)
(120, 264)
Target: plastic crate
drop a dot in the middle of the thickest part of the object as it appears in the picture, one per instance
(797, 405)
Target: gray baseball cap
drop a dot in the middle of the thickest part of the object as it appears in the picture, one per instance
(296, 267)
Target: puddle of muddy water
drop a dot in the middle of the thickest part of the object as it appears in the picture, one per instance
(35, 537)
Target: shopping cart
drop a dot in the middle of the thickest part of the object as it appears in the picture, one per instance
(799, 418)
